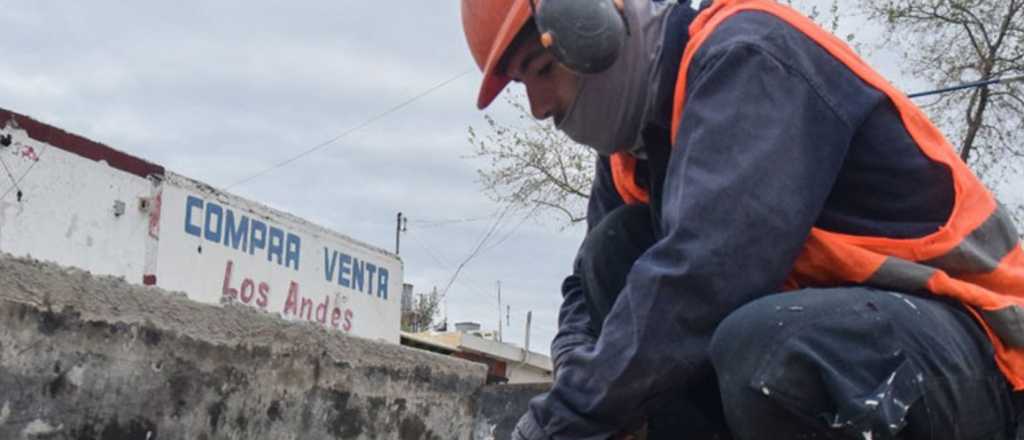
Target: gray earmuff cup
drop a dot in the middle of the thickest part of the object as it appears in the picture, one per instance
(588, 34)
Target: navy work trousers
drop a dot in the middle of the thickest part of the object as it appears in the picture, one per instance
(850, 362)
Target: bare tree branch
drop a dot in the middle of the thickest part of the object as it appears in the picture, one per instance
(534, 166)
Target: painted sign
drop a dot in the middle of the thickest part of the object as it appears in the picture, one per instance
(236, 250)
(79, 203)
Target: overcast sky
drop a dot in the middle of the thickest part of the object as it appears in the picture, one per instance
(219, 90)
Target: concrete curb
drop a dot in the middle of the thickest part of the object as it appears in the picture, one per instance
(87, 357)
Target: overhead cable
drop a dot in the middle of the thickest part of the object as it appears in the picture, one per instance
(349, 131)
(970, 85)
(476, 250)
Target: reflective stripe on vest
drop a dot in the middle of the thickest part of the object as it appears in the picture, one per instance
(975, 257)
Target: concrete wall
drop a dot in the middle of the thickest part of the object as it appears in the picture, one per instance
(65, 212)
(57, 202)
(499, 408)
(524, 373)
(522, 366)
(84, 357)
(95, 357)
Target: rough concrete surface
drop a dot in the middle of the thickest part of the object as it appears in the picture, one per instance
(499, 408)
(88, 357)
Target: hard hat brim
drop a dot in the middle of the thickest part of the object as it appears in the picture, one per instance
(494, 81)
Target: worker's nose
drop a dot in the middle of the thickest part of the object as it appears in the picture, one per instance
(542, 105)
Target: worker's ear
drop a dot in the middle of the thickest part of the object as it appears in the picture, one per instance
(584, 35)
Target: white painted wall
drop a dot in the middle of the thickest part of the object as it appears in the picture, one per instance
(521, 366)
(66, 213)
(197, 263)
(525, 373)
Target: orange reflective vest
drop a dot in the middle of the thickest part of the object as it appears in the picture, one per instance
(975, 258)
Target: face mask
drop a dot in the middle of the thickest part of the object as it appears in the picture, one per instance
(612, 107)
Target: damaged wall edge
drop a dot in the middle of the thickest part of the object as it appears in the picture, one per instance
(85, 356)
(80, 145)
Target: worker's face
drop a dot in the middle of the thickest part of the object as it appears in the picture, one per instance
(550, 86)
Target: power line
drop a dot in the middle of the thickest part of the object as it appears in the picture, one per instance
(483, 240)
(429, 223)
(9, 174)
(970, 85)
(464, 281)
(482, 246)
(365, 123)
(431, 254)
(513, 231)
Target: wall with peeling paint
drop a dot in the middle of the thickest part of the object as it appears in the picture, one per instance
(86, 356)
(62, 208)
(66, 199)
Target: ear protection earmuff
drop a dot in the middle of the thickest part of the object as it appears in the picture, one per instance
(584, 35)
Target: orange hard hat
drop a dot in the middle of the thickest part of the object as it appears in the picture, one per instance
(490, 27)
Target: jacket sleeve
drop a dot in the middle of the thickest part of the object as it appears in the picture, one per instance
(757, 153)
(574, 327)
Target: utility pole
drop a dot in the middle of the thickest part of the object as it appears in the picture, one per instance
(529, 317)
(401, 225)
(499, 310)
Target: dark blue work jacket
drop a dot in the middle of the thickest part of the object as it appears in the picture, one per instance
(777, 137)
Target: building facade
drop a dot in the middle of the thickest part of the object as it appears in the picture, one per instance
(79, 203)
(506, 363)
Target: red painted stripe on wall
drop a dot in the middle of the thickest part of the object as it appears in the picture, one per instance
(81, 146)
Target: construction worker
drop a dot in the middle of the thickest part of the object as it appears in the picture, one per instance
(780, 244)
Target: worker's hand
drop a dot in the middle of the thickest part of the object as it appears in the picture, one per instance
(527, 429)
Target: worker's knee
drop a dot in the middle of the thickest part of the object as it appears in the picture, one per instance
(757, 379)
(739, 348)
(740, 343)
(847, 361)
(808, 321)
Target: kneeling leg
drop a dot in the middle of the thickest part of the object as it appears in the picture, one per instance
(858, 363)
